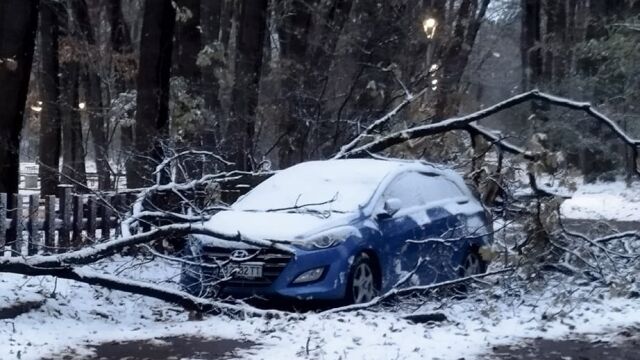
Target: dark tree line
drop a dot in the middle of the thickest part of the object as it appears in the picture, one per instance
(119, 82)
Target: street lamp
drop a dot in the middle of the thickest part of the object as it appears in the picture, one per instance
(37, 108)
(429, 25)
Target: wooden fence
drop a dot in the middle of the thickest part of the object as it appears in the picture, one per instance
(56, 223)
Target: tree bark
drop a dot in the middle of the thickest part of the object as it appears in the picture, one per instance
(92, 82)
(18, 26)
(248, 67)
(73, 165)
(554, 66)
(530, 44)
(294, 41)
(124, 68)
(210, 20)
(73, 151)
(50, 123)
(188, 42)
(456, 56)
(152, 116)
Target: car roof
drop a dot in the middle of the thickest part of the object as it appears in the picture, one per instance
(374, 168)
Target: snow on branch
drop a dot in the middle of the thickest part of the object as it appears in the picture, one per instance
(180, 298)
(100, 251)
(466, 123)
(378, 123)
(396, 291)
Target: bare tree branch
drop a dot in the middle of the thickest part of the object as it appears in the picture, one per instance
(466, 123)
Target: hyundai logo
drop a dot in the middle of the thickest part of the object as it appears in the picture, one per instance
(239, 254)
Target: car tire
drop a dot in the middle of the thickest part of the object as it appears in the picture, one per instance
(472, 263)
(363, 284)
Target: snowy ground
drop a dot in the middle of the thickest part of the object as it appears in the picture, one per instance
(79, 315)
(76, 316)
(605, 201)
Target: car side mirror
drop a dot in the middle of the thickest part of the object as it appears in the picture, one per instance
(391, 206)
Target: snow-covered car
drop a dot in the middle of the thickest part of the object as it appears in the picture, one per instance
(352, 228)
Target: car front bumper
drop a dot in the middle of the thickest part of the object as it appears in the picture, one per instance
(330, 286)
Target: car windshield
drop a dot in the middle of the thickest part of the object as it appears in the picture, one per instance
(322, 186)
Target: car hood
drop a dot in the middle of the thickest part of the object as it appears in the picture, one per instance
(272, 225)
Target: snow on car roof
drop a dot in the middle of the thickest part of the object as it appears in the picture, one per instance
(333, 185)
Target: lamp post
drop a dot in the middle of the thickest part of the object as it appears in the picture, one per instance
(429, 25)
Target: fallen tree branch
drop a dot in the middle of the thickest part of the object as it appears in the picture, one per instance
(100, 251)
(394, 292)
(183, 299)
(466, 123)
(378, 123)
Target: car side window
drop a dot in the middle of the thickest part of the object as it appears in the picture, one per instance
(404, 188)
(441, 188)
(417, 189)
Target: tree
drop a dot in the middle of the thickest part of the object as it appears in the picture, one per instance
(530, 44)
(309, 32)
(455, 57)
(211, 17)
(188, 40)
(73, 147)
(18, 26)
(152, 116)
(50, 124)
(248, 67)
(92, 84)
(123, 68)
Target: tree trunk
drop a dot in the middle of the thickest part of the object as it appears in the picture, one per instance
(294, 40)
(248, 66)
(555, 59)
(123, 67)
(73, 165)
(18, 26)
(50, 124)
(530, 44)
(210, 19)
(92, 81)
(188, 42)
(456, 56)
(152, 116)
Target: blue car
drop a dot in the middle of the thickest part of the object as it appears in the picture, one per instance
(353, 229)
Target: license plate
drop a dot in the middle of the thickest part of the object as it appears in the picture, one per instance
(245, 270)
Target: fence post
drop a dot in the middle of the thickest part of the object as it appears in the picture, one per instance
(92, 214)
(121, 207)
(3, 222)
(32, 225)
(105, 214)
(15, 232)
(64, 234)
(49, 223)
(78, 214)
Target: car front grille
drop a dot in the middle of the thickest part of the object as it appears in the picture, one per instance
(274, 261)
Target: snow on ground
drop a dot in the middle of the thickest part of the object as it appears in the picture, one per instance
(79, 315)
(604, 201)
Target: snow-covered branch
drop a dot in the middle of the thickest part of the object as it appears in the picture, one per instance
(395, 292)
(467, 123)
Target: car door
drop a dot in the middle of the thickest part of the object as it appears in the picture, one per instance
(401, 255)
(444, 202)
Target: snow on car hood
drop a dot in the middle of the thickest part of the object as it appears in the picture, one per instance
(283, 226)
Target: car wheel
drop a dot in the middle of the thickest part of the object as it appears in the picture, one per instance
(472, 264)
(363, 281)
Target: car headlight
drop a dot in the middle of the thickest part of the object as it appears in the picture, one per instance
(327, 239)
